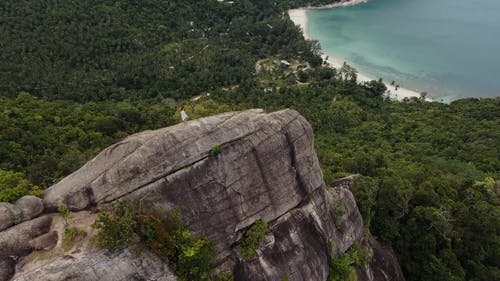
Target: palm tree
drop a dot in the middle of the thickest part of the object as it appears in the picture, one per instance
(348, 71)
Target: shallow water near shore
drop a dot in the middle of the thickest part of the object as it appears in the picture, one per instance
(448, 48)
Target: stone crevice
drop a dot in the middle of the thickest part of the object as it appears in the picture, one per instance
(104, 201)
(293, 161)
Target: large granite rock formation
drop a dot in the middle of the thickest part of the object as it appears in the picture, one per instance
(223, 173)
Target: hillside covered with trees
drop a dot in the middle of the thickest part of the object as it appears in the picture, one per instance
(77, 76)
(101, 50)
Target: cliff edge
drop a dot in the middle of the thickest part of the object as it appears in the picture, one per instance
(223, 173)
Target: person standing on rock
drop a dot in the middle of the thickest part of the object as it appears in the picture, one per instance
(184, 115)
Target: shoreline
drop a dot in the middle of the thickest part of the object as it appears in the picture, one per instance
(299, 17)
(342, 3)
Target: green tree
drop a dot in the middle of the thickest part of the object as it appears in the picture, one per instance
(14, 186)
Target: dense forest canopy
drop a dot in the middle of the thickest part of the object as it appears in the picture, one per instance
(77, 76)
(100, 50)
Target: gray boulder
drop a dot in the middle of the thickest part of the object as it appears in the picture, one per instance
(30, 206)
(14, 243)
(15, 240)
(9, 215)
(45, 242)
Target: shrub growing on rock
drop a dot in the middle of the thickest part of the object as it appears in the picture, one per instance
(343, 268)
(71, 236)
(189, 256)
(252, 239)
(116, 226)
(223, 277)
(338, 209)
(65, 213)
(216, 150)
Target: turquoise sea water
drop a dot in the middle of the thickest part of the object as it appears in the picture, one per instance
(449, 48)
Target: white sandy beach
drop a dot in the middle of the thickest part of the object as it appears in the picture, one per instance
(299, 17)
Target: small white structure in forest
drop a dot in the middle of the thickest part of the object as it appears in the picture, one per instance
(285, 63)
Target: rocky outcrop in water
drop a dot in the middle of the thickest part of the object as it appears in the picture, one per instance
(223, 173)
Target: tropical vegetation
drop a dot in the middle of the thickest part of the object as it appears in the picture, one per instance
(78, 76)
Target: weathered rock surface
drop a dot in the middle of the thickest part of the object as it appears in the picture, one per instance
(23, 209)
(46, 241)
(296, 248)
(30, 206)
(15, 240)
(383, 266)
(349, 224)
(7, 267)
(301, 241)
(101, 266)
(149, 157)
(266, 168)
(9, 214)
